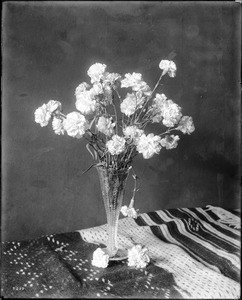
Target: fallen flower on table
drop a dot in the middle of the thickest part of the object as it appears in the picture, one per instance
(100, 258)
(138, 257)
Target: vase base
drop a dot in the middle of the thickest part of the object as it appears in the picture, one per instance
(120, 255)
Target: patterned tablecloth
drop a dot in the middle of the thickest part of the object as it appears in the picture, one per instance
(195, 253)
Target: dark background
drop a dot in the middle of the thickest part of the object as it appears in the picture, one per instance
(47, 49)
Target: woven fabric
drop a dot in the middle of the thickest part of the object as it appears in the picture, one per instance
(59, 266)
(193, 255)
(201, 252)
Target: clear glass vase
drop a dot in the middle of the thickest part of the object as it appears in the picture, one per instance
(112, 184)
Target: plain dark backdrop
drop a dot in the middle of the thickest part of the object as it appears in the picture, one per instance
(47, 48)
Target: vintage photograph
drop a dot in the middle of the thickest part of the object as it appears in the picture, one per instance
(121, 125)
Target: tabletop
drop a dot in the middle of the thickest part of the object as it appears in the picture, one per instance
(194, 253)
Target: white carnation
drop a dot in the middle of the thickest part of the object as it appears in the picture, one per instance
(145, 89)
(170, 141)
(105, 125)
(124, 210)
(129, 212)
(171, 114)
(42, 115)
(132, 132)
(82, 87)
(75, 124)
(116, 145)
(86, 103)
(100, 258)
(96, 89)
(96, 71)
(57, 125)
(131, 80)
(131, 103)
(158, 107)
(136, 83)
(138, 257)
(166, 111)
(168, 66)
(53, 105)
(111, 78)
(186, 125)
(148, 145)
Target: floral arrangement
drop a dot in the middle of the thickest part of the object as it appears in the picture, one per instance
(115, 140)
(112, 113)
(114, 127)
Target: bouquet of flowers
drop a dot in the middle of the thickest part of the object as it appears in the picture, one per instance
(112, 113)
(114, 127)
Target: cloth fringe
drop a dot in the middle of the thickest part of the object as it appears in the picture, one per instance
(225, 216)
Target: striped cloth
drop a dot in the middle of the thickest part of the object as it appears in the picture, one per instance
(200, 247)
(198, 231)
(194, 253)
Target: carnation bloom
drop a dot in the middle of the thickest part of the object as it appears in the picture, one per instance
(171, 114)
(105, 125)
(85, 102)
(129, 212)
(143, 87)
(100, 258)
(75, 124)
(138, 257)
(170, 141)
(186, 125)
(57, 125)
(158, 107)
(131, 80)
(116, 145)
(131, 103)
(111, 78)
(136, 83)
(166, 111)
(102, 93)
(42, 115)
(82, 87)
(53, 105)
(132, 132)
(97, 89)
(96, 71)
(148, 145)
(168, 66)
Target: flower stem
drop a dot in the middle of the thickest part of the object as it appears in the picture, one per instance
(116, 117)
(157, 83)
(168, 131)
(131, 205)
